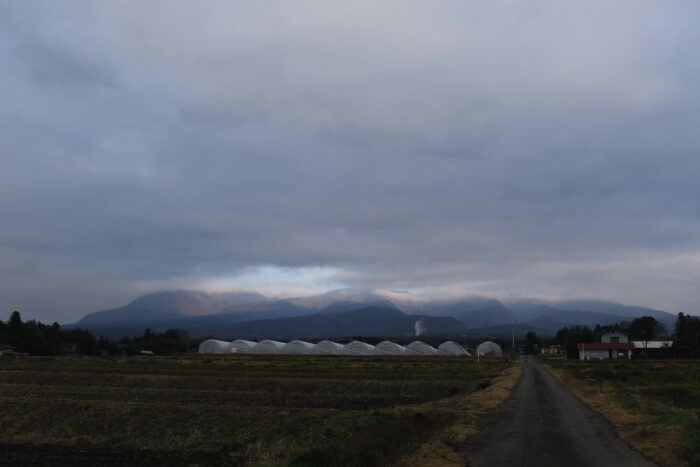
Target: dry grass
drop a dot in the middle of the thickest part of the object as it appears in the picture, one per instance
(444, 448)
(652, 425)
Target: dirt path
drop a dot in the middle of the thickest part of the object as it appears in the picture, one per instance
(543, 424)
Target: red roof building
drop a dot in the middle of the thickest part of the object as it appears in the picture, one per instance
(606, 350)
(606, 346)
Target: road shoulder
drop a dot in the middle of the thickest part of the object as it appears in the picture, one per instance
(629, 426)
(445, 448)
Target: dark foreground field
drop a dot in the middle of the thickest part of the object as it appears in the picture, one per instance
(654, 404)
(242, 409)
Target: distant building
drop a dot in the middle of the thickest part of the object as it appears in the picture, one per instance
(6, 349)
(660, 344)
(70, 349)
(613, 345)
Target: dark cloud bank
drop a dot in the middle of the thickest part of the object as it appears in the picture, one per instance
(499, 148)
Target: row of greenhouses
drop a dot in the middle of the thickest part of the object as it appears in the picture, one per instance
(298, 347)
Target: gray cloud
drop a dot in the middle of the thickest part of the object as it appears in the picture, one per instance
(504, 148)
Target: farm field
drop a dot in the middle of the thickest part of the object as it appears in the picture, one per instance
(231, 410)
(655, 404)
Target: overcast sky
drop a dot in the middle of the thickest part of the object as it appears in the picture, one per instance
(509, 149)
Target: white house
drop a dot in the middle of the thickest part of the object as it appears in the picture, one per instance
(614, 337)
(613, 345)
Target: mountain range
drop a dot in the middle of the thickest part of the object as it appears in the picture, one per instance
(350, 312)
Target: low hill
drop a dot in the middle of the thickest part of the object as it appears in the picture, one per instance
(505, 331)
(170, 305)
(348, 306)
(203, 314)
(475, 312)
(585, 312)
(186, 310)
(370, 321)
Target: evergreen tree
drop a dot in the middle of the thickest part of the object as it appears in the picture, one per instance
(576, 335)
(531, 341)
(15, 321)
(686, 335)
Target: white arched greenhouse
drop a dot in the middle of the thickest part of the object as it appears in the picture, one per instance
(420, 348)
(452, 348)
(489, 349)
(358, 348)
(328, 348)
(298, 348)
(269, 347)
(389, 348)
(243, 346)
(214, 346)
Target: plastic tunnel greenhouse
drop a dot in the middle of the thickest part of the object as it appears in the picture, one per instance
(489, 349)
(328, 348)
(358, 348)
(420, 348)
(269, 347)
(389, 348)
(242, 346)
(298, 348)
(452, 348)
(214, 346)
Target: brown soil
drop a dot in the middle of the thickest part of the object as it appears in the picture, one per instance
(51, 455)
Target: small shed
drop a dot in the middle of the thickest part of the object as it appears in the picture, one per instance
(653, 344)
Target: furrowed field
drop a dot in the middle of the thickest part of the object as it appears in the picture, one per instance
(654, 403)
(244, 409)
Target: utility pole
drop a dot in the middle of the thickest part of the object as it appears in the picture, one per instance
(517, 325)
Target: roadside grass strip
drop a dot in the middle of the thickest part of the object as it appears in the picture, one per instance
(654, 404)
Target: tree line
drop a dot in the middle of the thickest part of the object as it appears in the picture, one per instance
(36, 338)
(685, 336)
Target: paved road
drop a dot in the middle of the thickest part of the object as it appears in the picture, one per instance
(543, 424)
